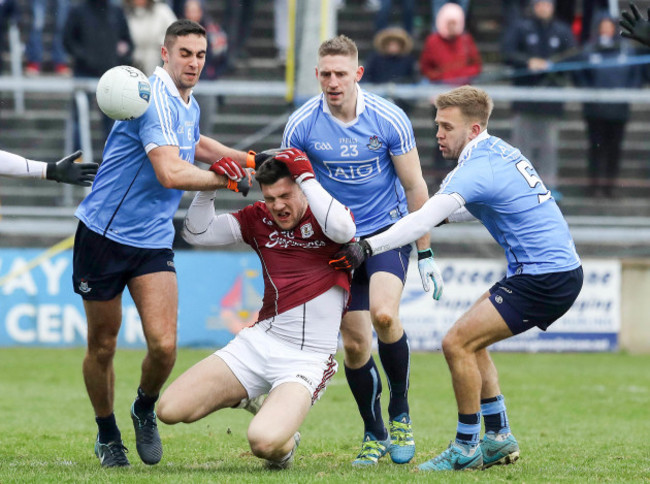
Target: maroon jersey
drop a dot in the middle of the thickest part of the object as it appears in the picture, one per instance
(295, 262)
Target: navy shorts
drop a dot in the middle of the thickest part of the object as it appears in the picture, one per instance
(394, 261)
(527, 300)
(102, 267)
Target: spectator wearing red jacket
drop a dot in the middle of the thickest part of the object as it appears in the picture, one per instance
(450, 55)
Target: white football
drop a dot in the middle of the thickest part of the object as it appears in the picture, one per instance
(123, 93)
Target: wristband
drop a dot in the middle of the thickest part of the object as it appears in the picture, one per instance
(425, 254)
(250, 159)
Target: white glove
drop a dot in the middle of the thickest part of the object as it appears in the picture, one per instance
(429, 269)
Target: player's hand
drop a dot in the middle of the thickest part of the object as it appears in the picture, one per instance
(298, 164)
(229, 168)
(351, 256)
(635, 26)
(244, 185)
(429, 270)
(67, 171)
(255, 160)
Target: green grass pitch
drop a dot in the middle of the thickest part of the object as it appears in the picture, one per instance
(578, 418)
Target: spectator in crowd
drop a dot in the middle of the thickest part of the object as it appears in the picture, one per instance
(592, 11)
(34, 47)
(148, 21)
(97, 38)
(215, 57)
(606, 121)
(383, 16)
(534, 44)
(216, 60)
(8, 14)
(392, 61)
(238, 24)
(436, 5)
(450, 55)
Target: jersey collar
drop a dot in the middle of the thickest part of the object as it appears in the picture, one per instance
(469, 147)
(169, 84)
(361, 105)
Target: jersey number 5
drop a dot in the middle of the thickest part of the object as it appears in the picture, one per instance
(533, 180)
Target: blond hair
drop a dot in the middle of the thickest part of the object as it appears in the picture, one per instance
(474, 103)
(339, 45)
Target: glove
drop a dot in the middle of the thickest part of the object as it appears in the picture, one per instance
(255, 160)
(635, 27)
(429, 269)
(229, 168)
(298, 164)
(351, 256)
(243, 186)
(67, 171)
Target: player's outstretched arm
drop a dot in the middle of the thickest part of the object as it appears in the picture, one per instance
(202, 225)
(635, 26)
(64, 170)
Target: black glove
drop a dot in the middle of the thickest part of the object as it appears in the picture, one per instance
(244, 185)
(351, 256)
(635, 27)
(67, 171)
(257, 159)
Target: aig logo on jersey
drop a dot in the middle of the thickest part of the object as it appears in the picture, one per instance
(306, 231)
(352, 171)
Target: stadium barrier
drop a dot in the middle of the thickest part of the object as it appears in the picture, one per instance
(39, 308)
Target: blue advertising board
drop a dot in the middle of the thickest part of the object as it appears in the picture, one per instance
(221, 292)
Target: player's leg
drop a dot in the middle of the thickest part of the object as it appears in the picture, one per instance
(207, 386)
(479, 327)
(98, 267)
(387, 274)
(395, 355)
(155, 295)
(104, 320)
(273, 432)
(362, 373)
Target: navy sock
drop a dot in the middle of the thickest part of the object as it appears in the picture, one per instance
(365, 384)
(469, 428)
(107, 428)
(494, 414)
(144, 403)
(396, 360)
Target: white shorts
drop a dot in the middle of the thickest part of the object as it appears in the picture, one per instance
(261, 362)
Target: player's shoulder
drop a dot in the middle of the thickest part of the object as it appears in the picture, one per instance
(383, 111)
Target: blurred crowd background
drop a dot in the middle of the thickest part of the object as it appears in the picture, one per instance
(594, 156)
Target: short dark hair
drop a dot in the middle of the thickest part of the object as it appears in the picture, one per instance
(182, 28)
(271, 171)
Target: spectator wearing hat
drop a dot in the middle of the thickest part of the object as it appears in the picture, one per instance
(534, 44)
(392, 61)
(450, 55)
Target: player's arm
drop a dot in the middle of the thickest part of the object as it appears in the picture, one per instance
(333, 217)
(409, 172)
(174, 172)
(208, 150)
(460, 215)
(202, 226)
(64, 170)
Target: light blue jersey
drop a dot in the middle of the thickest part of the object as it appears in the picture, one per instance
(353, 160)
(127, 204)
(501, 188)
